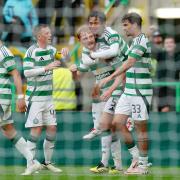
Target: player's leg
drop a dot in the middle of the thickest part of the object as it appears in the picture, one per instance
(35, 133)
(48, 147)
(122, 112)
(120, 122)
(49, 120)
(116, 155)
(10, 132)
(106, 124)
(34, 122)
(19, 142)
(105, 139)
(140, 114)
(106, 121)
(142, 136)
(97, 108)
(21, 145)
(102, 167)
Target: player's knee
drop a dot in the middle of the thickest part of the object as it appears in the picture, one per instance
(51, 133)
(119, 125)
(51, 129)
(141, 125)
(36, 131)
(9, 131)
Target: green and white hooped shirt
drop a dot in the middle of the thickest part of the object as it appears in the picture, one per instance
(138, 77)
(7, 64)
(39, 88)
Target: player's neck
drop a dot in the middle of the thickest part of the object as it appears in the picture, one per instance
(42, 45)
(137, 33)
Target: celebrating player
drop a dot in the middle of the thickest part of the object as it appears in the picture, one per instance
(38, 65)
(104, 108)
(137, 95)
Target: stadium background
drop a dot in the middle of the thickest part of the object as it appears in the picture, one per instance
(71, 150)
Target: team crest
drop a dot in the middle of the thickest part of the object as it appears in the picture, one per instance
(139, 116)
(36, 121)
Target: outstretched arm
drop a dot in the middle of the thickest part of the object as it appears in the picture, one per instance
(106, 54)
(38, 71)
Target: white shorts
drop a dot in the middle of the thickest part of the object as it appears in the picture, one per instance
(100, 107)
(40, 114)
(5, 114)
(111, 105)
(133, 106)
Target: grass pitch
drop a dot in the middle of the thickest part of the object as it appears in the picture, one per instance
(82, 173)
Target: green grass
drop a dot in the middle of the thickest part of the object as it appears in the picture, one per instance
(82, 173)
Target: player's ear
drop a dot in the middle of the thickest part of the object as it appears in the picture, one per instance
(79, 37)
(38, 36)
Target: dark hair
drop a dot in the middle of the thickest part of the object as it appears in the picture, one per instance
(133, 18)
(170, 37)
(98, 14)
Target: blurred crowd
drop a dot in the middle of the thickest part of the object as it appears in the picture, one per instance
(165, 68)
(19, 17)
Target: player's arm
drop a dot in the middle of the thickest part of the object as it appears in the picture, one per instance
(81, 67)
(30, 71)
(113, 41)
(134, 54)
(124, 67)
(117, 82)
(77, 70)
(107, 94)
(106, 54)
(10, 66)
(84, 64)
(19, 89)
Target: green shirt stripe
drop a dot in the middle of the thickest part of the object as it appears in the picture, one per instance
(138, 86)
(138, 75)
(39, 93)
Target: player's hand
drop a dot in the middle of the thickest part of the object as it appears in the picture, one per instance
(53, 65)
(104, 81)
(21, 105)
(106, 95)
(65, 52)
(73, 68)
(96, 92)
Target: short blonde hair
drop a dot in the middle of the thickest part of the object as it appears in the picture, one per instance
(38, 28)
(83, 28)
